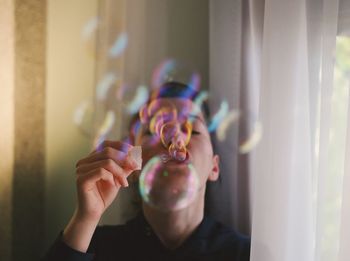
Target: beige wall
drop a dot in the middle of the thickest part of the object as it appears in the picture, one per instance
(70, 80)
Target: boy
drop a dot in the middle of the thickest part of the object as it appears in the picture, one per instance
(155, 234)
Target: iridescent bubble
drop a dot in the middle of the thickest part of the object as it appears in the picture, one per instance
(89, 28)
(230, 118)
(80, 113)
(105, 85)
(83, 117)
(161, 117)
(195, 82)
(202, 96)
(135, 128)
(168, 181)
(88, 35)
(118, 46)
(176, 135)
(198, 102)
(168, 186)
(253, 139)
(218, 117)
(170, 124)
(166, 109)
(143, 114)
(163, 72)
(139, 100)
(250, 129)
(105, 128)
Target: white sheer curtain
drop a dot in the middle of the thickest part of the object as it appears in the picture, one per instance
(282, 190)
(297, 189)
(293, 74)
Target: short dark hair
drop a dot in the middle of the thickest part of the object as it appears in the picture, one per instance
(179, 90)
(171, 90)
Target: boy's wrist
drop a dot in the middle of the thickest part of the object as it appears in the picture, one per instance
(79, 217)
(79, 232)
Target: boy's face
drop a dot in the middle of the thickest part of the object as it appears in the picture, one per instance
(199, 147)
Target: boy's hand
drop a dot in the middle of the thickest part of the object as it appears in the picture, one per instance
(100, 176)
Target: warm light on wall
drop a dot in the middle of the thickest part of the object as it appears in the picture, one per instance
(6, 124)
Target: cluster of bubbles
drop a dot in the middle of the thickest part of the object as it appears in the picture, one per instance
(173, 128)
(163, 185)
(168, 181)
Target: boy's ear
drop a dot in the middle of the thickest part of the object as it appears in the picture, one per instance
(214, 174)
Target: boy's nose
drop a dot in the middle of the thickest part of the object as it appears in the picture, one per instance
(175, 137)
(178, 151)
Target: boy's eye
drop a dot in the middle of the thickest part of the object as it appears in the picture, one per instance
(147, 132)
(194, 132)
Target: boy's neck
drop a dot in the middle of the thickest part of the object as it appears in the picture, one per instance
(174, 227)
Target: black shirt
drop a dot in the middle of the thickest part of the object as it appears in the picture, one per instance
(136, 241)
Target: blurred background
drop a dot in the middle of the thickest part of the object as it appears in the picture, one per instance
(277, 74)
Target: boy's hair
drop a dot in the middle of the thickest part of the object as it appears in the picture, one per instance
(179, 90)
(170, 90)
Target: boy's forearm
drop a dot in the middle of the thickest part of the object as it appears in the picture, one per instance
(79, 232)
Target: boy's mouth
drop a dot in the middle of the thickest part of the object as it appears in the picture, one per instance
(166, 159)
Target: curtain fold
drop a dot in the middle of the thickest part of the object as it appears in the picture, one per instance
(296, 185)
(282, 224)
(292, 78)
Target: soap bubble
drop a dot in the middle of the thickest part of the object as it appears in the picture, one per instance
(89, 28)
(105, 85)
(194, 82)
(171, 124)
(89, 34)
(171, 70)
(250, 129)
(252, 138)
(176, 133)
(139, 100)
(162, 117)
(168, 181)
(83, 117)
(105, 128)
(197, 104)
(119, 45)
(168, 186)
(228, 120)
(163, 72)
(219, 116)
